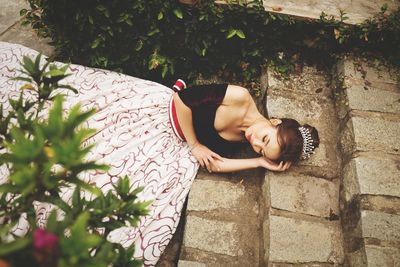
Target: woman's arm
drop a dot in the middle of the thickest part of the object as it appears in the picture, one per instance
(185, 119)
(203, 154)
(233, 165)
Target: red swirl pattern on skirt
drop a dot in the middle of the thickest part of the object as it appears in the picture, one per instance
(134, 136)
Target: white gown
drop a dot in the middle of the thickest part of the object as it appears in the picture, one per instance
(134, 136)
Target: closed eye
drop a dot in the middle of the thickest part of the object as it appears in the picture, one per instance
(265, 144)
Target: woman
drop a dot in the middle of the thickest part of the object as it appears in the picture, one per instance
(219, 117)
(159, 138)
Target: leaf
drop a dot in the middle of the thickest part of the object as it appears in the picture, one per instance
(95, 43)
(68, 87)
(384, 7)
(160, 16)
(178, 13)
(231, 33)
(22, 79)
(14, 246)
(37, 61)
(164, 70)
(52, 223)
(129, 22)
(156, 30)
(23, 12)
(28, 65)
(139, 45)
(91, 188)
(240, 34)
(79, 227)
(54, 72)
(55, 116)
(123, 186)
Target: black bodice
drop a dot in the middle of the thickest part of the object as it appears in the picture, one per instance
(204, 100)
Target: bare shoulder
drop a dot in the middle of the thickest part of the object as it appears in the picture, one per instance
(236, 95)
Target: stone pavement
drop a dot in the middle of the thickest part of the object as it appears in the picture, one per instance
(12, 31)
(356, 10)
(339, 208)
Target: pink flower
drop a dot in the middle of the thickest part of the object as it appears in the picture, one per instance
(44, 240)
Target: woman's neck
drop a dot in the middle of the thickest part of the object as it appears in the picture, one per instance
(250, 119)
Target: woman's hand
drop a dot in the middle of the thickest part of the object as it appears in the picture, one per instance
(205, 156)
(272, 166)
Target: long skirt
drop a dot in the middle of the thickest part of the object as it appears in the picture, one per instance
(134, 136)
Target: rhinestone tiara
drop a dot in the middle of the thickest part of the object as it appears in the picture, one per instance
(308, 147)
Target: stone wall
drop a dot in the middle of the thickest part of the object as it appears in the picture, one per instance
(368, 101)
(302, 226)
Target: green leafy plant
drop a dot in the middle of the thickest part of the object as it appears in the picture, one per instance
(43, 156)
(164, 40)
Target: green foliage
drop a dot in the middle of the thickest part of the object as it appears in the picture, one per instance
(164, 39)
(45, 155)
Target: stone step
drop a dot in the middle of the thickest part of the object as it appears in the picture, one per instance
(382, 256)
(381, 226)
(213, 196)
(363, 175)
(369, 111)
(303, 194)
(9, 13)
(304, 97)
(12, 31)
(379, 134)
(183, 263)
(298, 241)
(215, 232)
(301, 202)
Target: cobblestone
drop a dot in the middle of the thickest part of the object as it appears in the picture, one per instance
(372, 99)
(211, 235)
(207, 195)
(24, 36)
(380, 225)
(368, 73)
(296, 241)
(382, 256)
(304, 194)
(9, 13)
(371, 134)
(375, 176)
(182, 263)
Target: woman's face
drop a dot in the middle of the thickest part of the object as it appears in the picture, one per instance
(263, 137)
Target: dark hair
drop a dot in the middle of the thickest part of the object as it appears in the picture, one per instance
(291, 141)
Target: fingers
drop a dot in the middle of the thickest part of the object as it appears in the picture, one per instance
(288, 164)
(280, 166)
(207, 163)
(213, 162)
(283, 166)
(215, 155)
